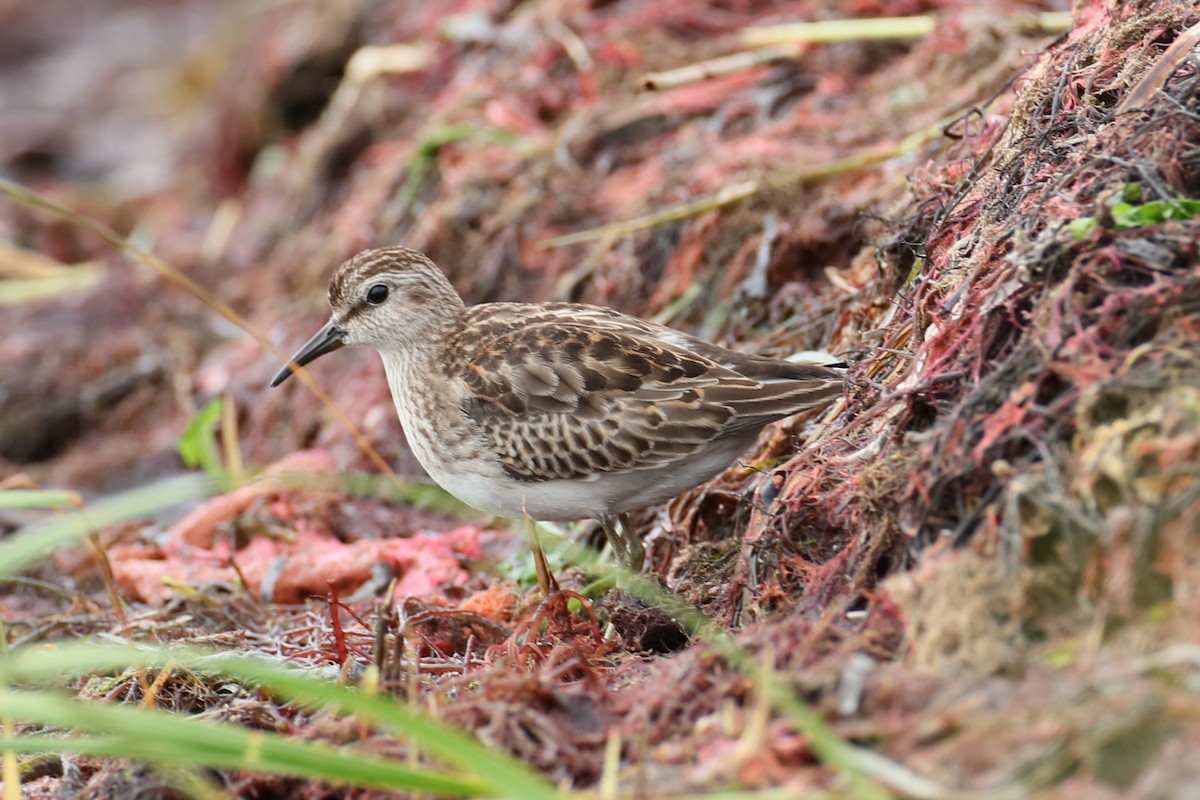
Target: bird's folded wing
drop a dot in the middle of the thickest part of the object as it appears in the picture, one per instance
(557, 400)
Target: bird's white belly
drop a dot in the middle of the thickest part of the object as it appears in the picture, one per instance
(489, 488)
(450, 452)
(506, 497)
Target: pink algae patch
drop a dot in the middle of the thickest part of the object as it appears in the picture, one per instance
(426, 563)
(203, 548)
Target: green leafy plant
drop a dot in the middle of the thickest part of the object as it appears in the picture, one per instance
(1140, 215)
(198, 445)
(1083, 227)
(1128, 212)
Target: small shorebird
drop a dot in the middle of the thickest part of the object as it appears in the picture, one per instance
(556, 410)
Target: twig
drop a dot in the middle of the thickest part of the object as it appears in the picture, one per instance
(1161, 71)
(850, 30)
(740, 191)
(716, 67)
(335, 620)
(727, 196)
(839, 30)
(774, 42)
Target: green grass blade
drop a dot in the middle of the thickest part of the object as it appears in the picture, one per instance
(38, 498)
(23, 290)
(160, 737)
(499, 772)
(866, 773)
(35, 542)
(447, 744)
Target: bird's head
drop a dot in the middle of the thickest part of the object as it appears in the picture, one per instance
(393, 299)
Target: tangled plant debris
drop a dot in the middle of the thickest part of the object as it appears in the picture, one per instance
(980, 563)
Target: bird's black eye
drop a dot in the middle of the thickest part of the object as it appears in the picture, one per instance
(377, 294)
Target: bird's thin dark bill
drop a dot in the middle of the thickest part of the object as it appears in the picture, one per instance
(325, 341)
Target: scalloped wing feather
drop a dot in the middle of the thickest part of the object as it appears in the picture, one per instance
(574, 390)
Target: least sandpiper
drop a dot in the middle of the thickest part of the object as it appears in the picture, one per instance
(556, 410)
